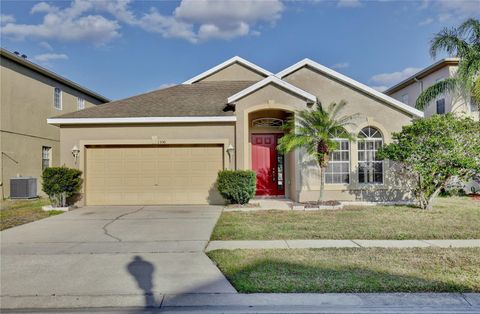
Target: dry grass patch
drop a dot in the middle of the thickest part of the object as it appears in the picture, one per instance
(18, 212)
(351, 270)
(451, 218)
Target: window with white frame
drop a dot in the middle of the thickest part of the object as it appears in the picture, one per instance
(80, 103)
(370, 168)
(57, 98)
(338, 168)
(46, 157)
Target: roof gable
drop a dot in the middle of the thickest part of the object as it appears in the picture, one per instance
(422, 74)
(247, 64)
(271, 80)
(350, 82)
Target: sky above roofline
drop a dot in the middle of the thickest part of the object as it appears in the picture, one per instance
(123, 48)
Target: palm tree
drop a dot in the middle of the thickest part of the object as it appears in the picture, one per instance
(314, 131)
(462, 42)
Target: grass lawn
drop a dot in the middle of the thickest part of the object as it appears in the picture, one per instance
(451, 218)
(351, 270)
(18, 212)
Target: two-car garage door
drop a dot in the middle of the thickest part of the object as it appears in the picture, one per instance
(145, 175)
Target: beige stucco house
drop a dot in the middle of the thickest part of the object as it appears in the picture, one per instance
(408, 90)
(166, 146)
(29, 95)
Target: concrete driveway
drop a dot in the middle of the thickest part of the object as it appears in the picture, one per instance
(110, 256)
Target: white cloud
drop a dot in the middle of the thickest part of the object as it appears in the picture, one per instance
(380, 88)
(341, 65)
(45, 45)
(394, 77)
(68, 24)
(166, 26)
(201, 20)
(50, 57)
(166, 85)
(5, 19)
(349, 3)
(426, 21)
(192, 20)
(452, 10)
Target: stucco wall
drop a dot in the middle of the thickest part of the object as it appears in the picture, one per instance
(453, 103)
(414, 90)
(270, 98)
(372, 112)
(190, 133)
(26, 102)
(234, 72)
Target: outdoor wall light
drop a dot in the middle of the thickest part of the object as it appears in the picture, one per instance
(75, 153)
(230, 150)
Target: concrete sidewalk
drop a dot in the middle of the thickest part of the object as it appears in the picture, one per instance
(311, 244)
(258, 303)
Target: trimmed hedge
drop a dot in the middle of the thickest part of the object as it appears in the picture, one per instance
(237, 186)
(60, 183)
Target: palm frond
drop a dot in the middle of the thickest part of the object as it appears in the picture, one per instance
(476, 92)
(471, 30)
(431, 93)
(448, 40)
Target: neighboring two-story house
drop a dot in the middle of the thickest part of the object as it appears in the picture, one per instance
(409, 89)
(29, 95)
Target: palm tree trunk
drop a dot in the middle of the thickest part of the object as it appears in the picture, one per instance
(322, 183)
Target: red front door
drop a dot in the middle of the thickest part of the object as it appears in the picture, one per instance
(268, 164)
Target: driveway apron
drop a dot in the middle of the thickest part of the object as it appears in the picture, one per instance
(113, 251)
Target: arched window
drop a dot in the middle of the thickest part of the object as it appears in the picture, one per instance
(370, 169)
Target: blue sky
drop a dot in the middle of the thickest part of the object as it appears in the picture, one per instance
(123, 48)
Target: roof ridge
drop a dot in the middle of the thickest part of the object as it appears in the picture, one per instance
(349, 81)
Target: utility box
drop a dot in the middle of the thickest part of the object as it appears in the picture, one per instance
(23, 187)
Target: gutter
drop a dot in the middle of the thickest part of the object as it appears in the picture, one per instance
(140, 120)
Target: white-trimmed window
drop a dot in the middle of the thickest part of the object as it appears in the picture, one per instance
(57, 98)
(370, 168)
(46, 157)
(338, 168)
(80, 103)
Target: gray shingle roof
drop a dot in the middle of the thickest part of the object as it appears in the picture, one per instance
(185, 100)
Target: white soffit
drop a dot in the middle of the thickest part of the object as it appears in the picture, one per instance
(225, 64)
(140, 120)
(271, 80)
(345, 79)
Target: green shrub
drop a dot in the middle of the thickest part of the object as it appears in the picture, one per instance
(237, 186)
(60, 183)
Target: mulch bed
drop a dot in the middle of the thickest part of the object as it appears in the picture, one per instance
(475, 196)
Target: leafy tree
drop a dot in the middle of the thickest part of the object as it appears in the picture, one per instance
(435, 150)
(313, 130)
(462, 42)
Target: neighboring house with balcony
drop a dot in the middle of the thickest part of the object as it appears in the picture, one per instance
(408, 90)
(29, 95)
(167, 146)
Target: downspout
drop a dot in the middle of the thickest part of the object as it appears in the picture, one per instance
(421, 83)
